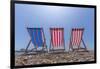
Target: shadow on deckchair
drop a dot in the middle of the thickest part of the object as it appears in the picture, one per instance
(57, 40)
(76, 39)
(37, 39)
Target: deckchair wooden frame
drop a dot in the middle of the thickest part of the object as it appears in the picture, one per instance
(78, 47)
(44, 43)
(52, 49)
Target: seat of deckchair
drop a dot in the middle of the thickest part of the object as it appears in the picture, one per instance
(57, 40)
(37, 39)
(76, 39)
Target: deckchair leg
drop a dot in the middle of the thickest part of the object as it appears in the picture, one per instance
(43, 47)
(27, 46)
(64, 46)
(50, 46)
(36, 48)
(70, 47)
(84, 44)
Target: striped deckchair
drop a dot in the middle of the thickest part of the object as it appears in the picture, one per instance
(76, 39)
(57, 39)
(37, 39)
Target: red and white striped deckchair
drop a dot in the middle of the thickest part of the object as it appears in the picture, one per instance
(76, 39)
(57, 39)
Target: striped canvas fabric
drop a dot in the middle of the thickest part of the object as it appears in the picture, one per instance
(36, 35)
(57, 37)
(76, 36)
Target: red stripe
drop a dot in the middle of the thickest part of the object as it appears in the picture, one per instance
(77, 37)
(74, 34)
(59, 37)
(56, 37)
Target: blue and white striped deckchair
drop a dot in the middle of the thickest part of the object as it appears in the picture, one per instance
(37, 39)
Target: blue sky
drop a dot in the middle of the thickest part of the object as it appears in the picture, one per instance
(52, 16)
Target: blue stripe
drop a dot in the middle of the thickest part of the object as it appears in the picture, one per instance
(31, 35)
(39, 33)
(33, 38)
(36, 36)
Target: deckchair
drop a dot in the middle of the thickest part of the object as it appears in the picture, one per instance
(76, 39)
(57, 39)
(37, 39)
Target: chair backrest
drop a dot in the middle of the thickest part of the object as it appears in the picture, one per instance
(57, 37)
(76, 36)
(37, 36)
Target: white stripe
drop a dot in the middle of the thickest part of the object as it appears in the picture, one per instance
(52, 37)
(73, 40)
(58, 38)
(55, 37)
(42, 35)
(80, 36)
